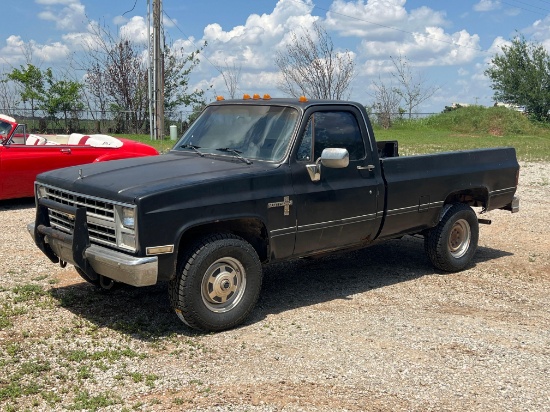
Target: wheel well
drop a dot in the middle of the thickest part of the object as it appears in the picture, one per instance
(250, 229)
(472, 197)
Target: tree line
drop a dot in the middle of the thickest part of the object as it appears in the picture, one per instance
(115, 80)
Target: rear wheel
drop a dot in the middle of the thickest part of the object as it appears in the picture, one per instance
(451, 245)
(217, 283)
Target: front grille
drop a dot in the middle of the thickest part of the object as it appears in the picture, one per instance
(100, 215)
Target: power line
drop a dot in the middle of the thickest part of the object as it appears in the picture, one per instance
(527, 4)
(126, 12)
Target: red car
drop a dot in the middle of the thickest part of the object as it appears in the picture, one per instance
(23, 155)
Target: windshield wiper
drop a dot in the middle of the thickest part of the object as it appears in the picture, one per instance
(236, 152)
(192, 146)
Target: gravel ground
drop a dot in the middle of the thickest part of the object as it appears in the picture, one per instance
(371, 330)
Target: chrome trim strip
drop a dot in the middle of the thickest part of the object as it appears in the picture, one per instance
(333, 223)
(410, 209)
(283, 232)
(505, 190)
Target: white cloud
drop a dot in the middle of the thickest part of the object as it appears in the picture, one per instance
(17, 51)
(379, 19)
(70, 17)
(135, 30)
(539, 31)
(254, 43)
(433, 47)
(487, 5)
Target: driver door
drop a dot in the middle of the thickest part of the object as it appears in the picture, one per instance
(341, 209)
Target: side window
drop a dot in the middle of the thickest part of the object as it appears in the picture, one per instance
(331, 129)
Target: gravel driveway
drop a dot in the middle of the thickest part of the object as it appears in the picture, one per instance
(371, 330)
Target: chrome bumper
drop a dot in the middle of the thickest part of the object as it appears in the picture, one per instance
(109, 263)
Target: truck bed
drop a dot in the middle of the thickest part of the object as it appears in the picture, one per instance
(418, 186)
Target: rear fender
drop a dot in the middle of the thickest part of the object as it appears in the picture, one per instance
(474, 197)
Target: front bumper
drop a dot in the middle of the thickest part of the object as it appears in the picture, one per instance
(90, 258)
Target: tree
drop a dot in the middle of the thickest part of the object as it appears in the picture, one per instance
(313, 68)
(521, 76)
(61, 96)
(116, 78)
(231, 75)
(177, 68)
(386, 102)
(413, 88)
(31, 81)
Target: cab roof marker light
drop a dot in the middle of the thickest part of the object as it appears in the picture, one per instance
(246, 96)
(219, 98)
(256, 96)
(267, 97)
(302, 99)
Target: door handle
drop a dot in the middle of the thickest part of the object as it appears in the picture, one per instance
(68, 151)
(370, 168)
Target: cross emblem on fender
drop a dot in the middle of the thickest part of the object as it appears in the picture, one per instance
(286, 203)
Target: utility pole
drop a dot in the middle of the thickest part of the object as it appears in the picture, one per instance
(158, 72)
(150, 73)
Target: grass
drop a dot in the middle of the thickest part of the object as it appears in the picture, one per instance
(467, 128)
(471, 128)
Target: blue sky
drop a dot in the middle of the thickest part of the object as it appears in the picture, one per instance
(448, 43)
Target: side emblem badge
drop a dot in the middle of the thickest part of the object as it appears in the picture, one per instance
(286, 203)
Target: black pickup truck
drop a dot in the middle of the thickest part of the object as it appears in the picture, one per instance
(256, 181)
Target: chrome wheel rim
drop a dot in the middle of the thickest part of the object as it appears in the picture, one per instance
(459, 238)
(223, 285)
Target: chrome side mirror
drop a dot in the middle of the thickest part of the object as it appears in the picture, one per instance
(334, 158)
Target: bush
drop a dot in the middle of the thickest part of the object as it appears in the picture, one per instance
(496, 121)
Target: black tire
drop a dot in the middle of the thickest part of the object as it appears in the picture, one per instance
(217, 283)
(451, 244)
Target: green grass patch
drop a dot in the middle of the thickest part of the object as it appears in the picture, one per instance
(84, 401)
(162, 146)
(27, 292)
(111, 355)
(471, 128)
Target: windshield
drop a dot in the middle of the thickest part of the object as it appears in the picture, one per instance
(254, 132)
(4, 130)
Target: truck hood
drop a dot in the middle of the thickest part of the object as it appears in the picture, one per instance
(125, 180)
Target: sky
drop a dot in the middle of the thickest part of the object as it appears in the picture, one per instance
(448, 44)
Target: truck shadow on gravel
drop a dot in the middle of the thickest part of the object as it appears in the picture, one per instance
(145, 313)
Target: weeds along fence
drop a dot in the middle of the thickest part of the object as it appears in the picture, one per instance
(86, 122)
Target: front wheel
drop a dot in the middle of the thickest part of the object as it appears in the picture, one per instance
(217, 283)
(451, 244)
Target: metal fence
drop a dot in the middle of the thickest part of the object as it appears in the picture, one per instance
(86, 122)
(109, 122)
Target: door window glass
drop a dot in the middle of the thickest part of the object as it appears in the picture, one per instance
(336, 129)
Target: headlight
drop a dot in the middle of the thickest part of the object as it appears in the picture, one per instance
(41, 192)
(128, 217)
